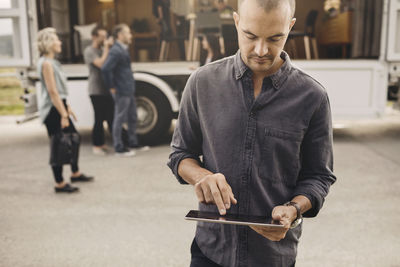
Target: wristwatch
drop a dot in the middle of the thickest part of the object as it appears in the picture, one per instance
(299, 218)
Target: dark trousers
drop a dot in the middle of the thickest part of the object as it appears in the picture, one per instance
(103, 106)
(199, 259)
(53, 126)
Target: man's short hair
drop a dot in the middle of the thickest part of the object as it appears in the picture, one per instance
(269, 5)
(95, 31)
(117, 29)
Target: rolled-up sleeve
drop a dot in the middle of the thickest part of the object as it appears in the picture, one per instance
(187, 138)
(89, 55)
(316, 174)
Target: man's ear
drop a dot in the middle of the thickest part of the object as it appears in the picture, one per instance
(292, 22)
(236, 18)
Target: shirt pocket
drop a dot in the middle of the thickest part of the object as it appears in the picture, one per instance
(280, 156)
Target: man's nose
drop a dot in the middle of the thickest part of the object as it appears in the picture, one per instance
(261, 48)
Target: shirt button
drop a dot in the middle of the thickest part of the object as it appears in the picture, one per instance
(252, 114)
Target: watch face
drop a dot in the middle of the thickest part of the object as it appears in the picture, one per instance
(296, 223)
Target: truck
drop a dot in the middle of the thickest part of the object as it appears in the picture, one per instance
(358, 86)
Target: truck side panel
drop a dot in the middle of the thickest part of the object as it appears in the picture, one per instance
(357, 88)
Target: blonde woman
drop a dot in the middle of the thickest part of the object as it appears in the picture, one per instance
(55, 113)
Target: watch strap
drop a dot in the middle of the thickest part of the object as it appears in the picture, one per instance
(294, 204)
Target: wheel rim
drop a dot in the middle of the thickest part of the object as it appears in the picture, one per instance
(147, 115)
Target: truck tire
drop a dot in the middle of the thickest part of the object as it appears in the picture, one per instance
(154, 114)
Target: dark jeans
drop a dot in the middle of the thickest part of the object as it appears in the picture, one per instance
(103, 106)
(53, 126)
(125, 111)
(199, 259)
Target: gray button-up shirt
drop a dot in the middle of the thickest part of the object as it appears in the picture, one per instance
(270, 149)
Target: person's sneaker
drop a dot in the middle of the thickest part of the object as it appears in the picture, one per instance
(140, 148)
(82, 178)
(99, 151)
(125, 153)
(67, 188)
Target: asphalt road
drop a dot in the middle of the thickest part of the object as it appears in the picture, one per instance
(132, 215)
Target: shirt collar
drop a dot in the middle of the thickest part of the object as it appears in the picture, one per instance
(124, 46)
(278, 78)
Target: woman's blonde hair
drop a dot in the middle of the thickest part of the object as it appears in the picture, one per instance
(45, 40)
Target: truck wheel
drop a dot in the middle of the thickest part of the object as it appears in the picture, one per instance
(154, 113)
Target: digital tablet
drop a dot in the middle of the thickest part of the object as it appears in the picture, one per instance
(195, 215)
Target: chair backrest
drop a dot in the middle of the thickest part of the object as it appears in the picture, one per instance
(310, 22)
(208, 22)
(179, 28)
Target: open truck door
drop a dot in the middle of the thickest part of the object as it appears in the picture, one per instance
(393, 46)
(393, 49)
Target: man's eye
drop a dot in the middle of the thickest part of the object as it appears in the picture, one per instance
(251, 37)
(275, 39)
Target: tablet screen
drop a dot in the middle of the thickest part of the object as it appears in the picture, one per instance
(231, 219)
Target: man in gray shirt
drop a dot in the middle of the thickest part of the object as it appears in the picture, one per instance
(103, 103)
(263, 129)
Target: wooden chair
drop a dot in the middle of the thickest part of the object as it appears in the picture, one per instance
(179, 34)
(307, 34)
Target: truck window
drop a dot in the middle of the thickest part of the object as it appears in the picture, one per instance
(14, 38)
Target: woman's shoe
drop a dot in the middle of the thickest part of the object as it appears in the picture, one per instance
(67, 188)
(82, 178)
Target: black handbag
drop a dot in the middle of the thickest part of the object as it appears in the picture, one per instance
(64, 148)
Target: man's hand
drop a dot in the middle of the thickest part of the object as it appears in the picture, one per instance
(214, 189)
(113, 91)
(109, 42)
(285, 215)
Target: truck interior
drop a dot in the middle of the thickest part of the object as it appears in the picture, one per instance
(330, 29)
